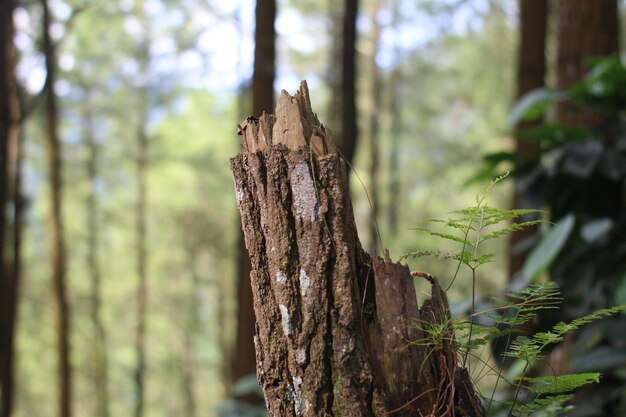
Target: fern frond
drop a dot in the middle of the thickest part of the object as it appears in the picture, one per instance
(513, 227)
(555, 384)
(434, 253)
(446, 236)
(549, 406)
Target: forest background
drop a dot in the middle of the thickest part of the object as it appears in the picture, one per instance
(126, 212)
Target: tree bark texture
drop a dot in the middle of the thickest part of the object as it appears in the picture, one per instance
(10, 198)
(334, 325)
(55, 222)
(531, 70)
(586, 29)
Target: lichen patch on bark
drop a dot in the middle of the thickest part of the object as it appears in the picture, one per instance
(305, 201)
(304, 283)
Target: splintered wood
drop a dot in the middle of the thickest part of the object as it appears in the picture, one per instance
(335, 327)
(297, 126)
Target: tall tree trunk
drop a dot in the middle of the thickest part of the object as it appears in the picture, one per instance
(264, 58)
(342, 78)
(100, 359)
(349, 127)
(244, 360)
(141, 253)
(531, 69)
(141, 257)
(374, 130)
(334, 71)
(396, 131)
(55, 222)
(334, 325)
(10, 157)
(586, 29)
(192, 325)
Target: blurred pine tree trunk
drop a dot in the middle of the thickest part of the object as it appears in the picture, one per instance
(100, 358)
(531, 70)
(55, 221)
(375, 114)
(10, 200)
(342, 77)
(191, 329)
(395, 89)
(244, 358)
(585, 30)
(349, 128)
(142, 55)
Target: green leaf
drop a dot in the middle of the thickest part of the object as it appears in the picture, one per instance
(548, 248)
(620, 290)
(514, 227)
(604, 87)
(497, 157)
(558, 384)
(434, 253)
(554, 134)
(549, 406)
(596, 229)
(580, 160)
(533, 105)
(603, 359)
(442, 235)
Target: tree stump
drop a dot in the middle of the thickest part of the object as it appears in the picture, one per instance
(338, 332)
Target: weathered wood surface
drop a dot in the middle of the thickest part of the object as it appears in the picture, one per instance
(334, 326)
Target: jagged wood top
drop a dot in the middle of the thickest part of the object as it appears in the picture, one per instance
(294, 125)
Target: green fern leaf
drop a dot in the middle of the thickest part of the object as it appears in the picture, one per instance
(559, 384)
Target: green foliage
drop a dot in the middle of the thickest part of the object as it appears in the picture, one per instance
(543, 395)
(559, 383)
(549, 406)
(533, 105)
(579, 174)
(530, 349)
(474, 225)
(548, 248)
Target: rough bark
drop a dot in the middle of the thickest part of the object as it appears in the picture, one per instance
(10, 198)
(531, 69)
(334, 325)
(262, 100)
(55, 221)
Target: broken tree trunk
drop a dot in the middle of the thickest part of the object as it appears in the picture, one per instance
(338, 332)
